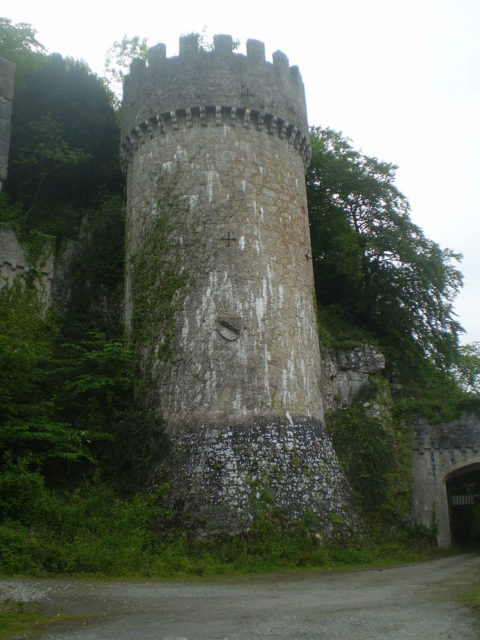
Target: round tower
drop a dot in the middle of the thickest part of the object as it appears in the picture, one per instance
(220, 293)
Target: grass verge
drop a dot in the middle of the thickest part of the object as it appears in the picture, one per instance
(21, 620)
(473, 597)
(93, 532)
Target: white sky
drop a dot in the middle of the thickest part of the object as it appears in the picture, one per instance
(401, 78)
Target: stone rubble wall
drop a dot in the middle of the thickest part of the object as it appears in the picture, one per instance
(226, 476)
(51, 274)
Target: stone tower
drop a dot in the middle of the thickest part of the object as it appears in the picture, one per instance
(215, 146)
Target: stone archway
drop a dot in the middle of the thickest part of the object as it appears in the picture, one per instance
(463, 494)
(442, 455)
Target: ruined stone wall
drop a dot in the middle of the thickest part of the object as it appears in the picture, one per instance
(49, 271)
(7, 73)
(14, 262)
(241, 389)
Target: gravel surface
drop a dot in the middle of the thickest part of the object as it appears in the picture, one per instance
(419, 601)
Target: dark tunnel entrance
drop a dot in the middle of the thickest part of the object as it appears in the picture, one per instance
(463, 491)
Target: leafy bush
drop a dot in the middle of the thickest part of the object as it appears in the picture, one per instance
(84, 531)
(21, 494)
(31, 429)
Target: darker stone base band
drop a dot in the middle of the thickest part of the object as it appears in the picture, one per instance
(221, 477)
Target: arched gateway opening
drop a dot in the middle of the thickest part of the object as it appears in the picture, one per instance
(463, 493)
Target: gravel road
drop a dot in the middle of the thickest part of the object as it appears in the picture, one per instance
(418, 601)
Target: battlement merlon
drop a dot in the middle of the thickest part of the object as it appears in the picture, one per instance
(272, 92)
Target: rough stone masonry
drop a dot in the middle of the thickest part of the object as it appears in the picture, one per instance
(215, 146)
(7, 74)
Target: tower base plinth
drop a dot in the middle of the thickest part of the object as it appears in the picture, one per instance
(221, 477)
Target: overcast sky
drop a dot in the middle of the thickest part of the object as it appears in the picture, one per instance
(401, 78)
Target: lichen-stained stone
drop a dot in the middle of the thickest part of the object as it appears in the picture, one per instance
(215, 146)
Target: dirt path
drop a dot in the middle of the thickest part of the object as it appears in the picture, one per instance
(418, 602)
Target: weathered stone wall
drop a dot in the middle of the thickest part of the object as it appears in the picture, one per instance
(242, 172)
(197, 82)
(50, 272)
(439, 451)
(7, 74)
(260, 279)
(245, 360)
(14, 262)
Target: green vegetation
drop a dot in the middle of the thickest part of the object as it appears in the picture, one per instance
(117, 63)
(467, 367)
(91, 530)
(19, 620)
(379, 280)
(375, 451)
(159, 280)
(64, 142)
(80, 455)
(372, 261)
(473, 597)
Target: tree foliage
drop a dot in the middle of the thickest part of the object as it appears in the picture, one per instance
(15, 39)
(117, 63)
(64, 140)
(32, 430)
(69, 405)
(467, 367)
(45, 154)
(372, 260)
(18, 44)
(374, 450)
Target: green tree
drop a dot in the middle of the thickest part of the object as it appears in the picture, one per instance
(93, 381)
(96, 273)
(45, 154)
(372, 260)
(30, 429)
(64, 142)
(18, 44)
(117, 63)
(16, 39)
(467, 367)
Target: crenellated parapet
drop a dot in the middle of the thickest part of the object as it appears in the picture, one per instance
(201, 88)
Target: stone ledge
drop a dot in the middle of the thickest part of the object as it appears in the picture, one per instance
(216, 115)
